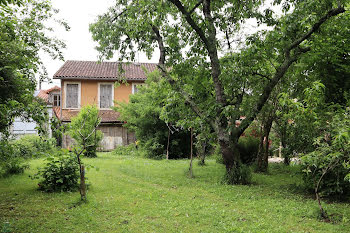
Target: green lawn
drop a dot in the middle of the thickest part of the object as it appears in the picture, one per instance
(131, 194)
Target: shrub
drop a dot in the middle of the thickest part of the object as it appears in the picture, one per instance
(10, 162)
(32, 146)
(240, 174)
(130, 150)
(60, 173)
(13, 166)
(143, 116)
(329, 164)
(248, 147)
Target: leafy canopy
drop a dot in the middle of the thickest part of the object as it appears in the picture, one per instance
(23, 34)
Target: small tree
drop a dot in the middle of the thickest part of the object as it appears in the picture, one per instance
(327, 168)
(83, 129)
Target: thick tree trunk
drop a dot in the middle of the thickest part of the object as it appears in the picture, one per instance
(263, 155)
(230, 154)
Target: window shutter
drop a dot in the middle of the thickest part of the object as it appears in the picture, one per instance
(105, 95)
(72, 96)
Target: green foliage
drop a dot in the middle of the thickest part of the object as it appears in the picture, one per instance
(329, 163)
(248, 147)
(60, 173)
(129, 150)
(11, 166)
(14, 153)
(10, 161)
(304, 119)
(23, 34)
(239, 174)
(218, 82)
(142, 115)
(83, 129)
(57, 129)
(33, 146)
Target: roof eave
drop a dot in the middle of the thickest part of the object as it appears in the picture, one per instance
(97, 78)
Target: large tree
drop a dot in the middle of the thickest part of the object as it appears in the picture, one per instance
(200, 33)
(23, 34)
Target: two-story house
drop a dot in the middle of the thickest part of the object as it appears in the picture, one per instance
(92, 83)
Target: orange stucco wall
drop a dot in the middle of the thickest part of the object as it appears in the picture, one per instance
(89, 91)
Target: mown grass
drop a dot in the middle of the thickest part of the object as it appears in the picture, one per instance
(131, 194)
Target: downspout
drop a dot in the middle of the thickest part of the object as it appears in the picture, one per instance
(61, 103)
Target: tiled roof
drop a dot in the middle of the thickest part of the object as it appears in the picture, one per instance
(106, 115)
(103, 70)
(44, 94)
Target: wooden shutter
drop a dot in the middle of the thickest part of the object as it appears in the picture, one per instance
(72, 95)
(105, 95)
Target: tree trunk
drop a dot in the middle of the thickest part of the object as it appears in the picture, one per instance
(82, 183)
(284, 145)
(167, 146)
(263, 155)
(190, 169)
(203, 145)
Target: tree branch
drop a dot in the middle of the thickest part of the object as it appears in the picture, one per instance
(190, 21)
(161, 66)
(160, 45)
(210, 45)
(195, 7)
(282, 69)
(261, 75)
(315, 27)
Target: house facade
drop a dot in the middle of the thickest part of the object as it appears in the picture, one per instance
(92, 83)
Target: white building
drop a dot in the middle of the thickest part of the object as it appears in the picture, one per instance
(52, 97)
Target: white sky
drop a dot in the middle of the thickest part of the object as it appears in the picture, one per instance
(80, 46)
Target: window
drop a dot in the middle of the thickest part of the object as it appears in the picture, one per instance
(56, 100)
(72, 95)
(105, 95)
(135, 87)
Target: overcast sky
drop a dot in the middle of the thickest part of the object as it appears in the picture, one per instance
(80, 46)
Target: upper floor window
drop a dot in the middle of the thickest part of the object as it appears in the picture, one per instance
(135, 87)
(106, 95)
(56, 100)
(72, 95)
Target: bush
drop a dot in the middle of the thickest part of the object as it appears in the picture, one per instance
(248, 147)
(241, 174)
(13, 166)
(33, 146)
(333, 182)
(129, 150)
(60, 173)
(329, 163)
(143, 116)
(10, 162)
